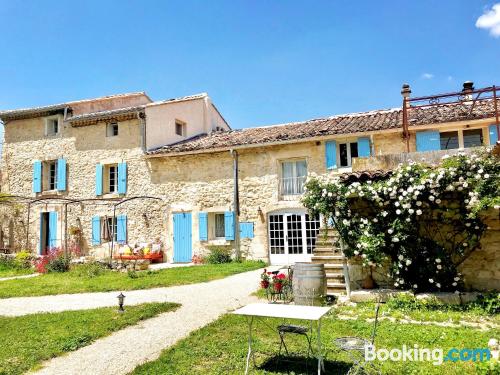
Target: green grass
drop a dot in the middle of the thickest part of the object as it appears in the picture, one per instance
(8, 271)
(74, 282)
(220, 348)
(29, 340)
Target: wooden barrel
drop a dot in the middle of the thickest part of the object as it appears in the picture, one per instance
(309, 283)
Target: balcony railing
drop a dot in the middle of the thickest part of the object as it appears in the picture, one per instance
(292, 185)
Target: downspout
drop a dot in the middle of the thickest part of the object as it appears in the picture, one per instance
(236, 205)
(143, 131)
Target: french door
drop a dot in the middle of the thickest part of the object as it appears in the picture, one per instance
(292, 237)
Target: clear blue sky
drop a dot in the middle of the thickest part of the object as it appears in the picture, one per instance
(262, 62)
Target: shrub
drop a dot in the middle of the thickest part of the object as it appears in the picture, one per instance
(219, 255)
(24, 259)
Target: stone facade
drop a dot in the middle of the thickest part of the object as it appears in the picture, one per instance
(193, 182)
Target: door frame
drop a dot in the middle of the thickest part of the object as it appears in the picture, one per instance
(287, 258)
(178, 249)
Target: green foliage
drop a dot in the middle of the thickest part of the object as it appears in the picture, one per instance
(424, 220)
(58, 263)
(218, 255)
(408, 302)
(490, 303)
(90, 270)
(24, 259)
(29, 340)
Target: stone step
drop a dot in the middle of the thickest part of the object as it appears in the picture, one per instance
(327, 258)
(334, 267)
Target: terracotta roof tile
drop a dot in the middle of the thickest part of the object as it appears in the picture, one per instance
(329, 126)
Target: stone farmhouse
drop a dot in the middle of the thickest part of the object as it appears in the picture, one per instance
(216, 186)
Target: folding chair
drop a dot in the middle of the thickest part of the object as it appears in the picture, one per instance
(355, 347)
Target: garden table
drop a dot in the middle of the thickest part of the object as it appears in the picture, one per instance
(266, 310)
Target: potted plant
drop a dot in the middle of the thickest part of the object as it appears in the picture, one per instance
(264, 279)
(278, 281)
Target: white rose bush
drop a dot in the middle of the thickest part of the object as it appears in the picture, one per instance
(422, 220)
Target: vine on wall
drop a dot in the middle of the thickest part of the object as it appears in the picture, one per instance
(424, 220)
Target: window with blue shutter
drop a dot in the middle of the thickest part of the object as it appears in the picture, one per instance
(428, 140)
(121, 229)
(61, 174)
(37, 176)
(331, 154)
(493, 134)
(364, 149)
(122, 178)
(203, 225)
(246, 230)
(96, 230)
(229, 221)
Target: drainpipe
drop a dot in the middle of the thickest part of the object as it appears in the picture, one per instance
(236, 204)
(143, 131)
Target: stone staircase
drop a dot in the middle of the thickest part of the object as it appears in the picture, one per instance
(327, 253)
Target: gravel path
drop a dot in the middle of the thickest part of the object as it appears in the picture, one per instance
(19, 277)
(122, 351)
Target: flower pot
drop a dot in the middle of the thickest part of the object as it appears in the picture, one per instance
(264, 284)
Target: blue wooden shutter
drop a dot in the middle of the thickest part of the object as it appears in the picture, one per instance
(331, 154)
(37, 176)
(428, 140)
(229, 220)
(61, 174)
(98, 179)
(52, 229)
(246, 230)
(493, 134)
(40, 245)
(364, 150)
(203, 226)
(96, 230)
(121, 228)
(122, 178)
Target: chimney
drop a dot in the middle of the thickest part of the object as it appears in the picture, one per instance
(467, 89)
(405, 90)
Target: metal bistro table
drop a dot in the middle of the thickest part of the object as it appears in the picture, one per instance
(265, 310)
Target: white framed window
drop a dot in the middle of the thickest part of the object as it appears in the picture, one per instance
(219, 225)
(110, 178)
(52, 126)
(111, 129)
(49, 175)
(347, 151)
(293, 177)
(180, 128)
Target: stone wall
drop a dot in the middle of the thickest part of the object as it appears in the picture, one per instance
(481, 270)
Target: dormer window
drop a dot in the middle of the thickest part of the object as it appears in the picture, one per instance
(52, 126)
(180, 128)
(112, 129)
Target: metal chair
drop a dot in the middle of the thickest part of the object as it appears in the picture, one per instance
(355, 347)
(305, 331)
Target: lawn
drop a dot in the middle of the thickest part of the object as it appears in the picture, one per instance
(29, 340)
(76, 281)
(220, 348)
(6, 271)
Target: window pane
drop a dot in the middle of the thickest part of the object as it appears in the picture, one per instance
(354, 150)
(343, 155)
(473, 138)
(219, 226)
(449, 140)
